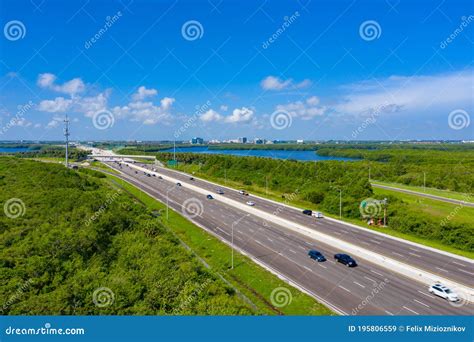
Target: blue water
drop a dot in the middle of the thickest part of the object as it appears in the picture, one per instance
(13, 149)
(275, 154)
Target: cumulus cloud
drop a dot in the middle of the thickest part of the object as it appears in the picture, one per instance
(72, 87)
(142, 93)
(146, 112)
(275, 83)
(240, 115)
(58, 105)
(306, 110)
(211, 115)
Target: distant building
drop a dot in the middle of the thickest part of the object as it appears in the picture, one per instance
(242, 140)
(259, 141)
(197, 141)
(300, 141)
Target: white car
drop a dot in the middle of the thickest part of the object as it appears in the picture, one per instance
(318, 214)
(443, 292)
(251, 203)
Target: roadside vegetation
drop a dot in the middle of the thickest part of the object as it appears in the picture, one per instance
(317, 185)
(79, 246)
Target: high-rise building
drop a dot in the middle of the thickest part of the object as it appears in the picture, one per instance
(242, 140)
(197, 141)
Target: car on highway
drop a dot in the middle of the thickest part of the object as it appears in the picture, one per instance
(148, 175)
(220, 191)
(191, 178)
(136, 172)
(443, 291)
(209, 197)
(307, 212)
(250, 203)
(318, 214)
(178, 184)
(243, 192)
(316, 255)
(345, 259)
(154, 175)
(159, 177)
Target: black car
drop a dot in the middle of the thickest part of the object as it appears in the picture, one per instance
(178, 184)
(345, 260)
(209, 197)
(308, 212)
(220, 191)
(191, 178)
(316, 255)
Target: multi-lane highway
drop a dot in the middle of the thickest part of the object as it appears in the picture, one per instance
(368, 289)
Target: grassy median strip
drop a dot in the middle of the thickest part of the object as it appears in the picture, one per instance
(442, 209)
(250, 279)
(429, 191)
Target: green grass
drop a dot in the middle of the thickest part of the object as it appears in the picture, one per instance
(442, 209)
(430, 191)
(102, 166)
(253, 281)
(436, 209)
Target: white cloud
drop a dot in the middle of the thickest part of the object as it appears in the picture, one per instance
(58, 105)
(224, 108)
(72, 87)
(305, 110)
(402, 93)
(143, 93)
(55, 121)
(240, 115)
(275, 83)
(146, 112)
(22, 122)
(211, 115)
(92, 104)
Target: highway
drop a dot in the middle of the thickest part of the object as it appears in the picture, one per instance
(365, 290)
(417, 193)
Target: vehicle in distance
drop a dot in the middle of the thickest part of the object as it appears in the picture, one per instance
(209, 197)
(250, 203)
(443, 292)
(316, 255)
(148, 175)
(159, 177)
(178, 184)
(307, 212)
(318, 214)
(191, 178)
(345, 260)
(243, 192)
(220, 191)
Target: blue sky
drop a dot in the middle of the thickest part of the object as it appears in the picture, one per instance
(155, 70)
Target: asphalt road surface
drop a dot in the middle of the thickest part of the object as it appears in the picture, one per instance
(364, 290)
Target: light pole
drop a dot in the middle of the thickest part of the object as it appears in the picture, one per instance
(232, 239)
(340, 203)
(167, 202)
